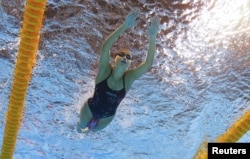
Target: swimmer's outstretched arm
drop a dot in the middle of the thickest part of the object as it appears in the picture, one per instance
(105, 55)
(145, 65)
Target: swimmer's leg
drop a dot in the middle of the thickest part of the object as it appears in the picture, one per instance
(102, 123)
(85, 117)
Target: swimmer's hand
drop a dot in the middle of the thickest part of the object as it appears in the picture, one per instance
(131, 17)
(154, 27)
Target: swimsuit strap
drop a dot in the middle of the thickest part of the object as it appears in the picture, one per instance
(109, 75)
(123, 82)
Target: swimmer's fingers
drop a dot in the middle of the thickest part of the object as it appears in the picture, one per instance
(131, 17)
(154, 27)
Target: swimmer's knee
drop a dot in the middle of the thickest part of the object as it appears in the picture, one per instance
(100, 127)
(81, 126)
(79, 129)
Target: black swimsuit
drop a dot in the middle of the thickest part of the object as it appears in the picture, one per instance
(105, 101)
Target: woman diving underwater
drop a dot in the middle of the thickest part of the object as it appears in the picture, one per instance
(113, 82)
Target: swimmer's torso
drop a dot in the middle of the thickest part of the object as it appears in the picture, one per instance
(105, 100)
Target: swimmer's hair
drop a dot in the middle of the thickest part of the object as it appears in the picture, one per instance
(125, 50)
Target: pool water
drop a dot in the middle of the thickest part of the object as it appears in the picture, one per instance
(197, 87)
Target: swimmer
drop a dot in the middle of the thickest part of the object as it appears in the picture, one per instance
(113, 82)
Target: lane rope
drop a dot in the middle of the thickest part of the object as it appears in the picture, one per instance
(233, 134)
(29, 40)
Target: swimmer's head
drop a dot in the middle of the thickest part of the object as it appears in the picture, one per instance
(123, 57)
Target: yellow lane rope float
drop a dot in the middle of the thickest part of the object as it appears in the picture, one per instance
(237, 130)
(29, 35)
(233, 134)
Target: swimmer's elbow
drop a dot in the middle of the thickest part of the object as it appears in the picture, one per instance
(105, 48)
(149, 61)
(150, 64)
(146, 65)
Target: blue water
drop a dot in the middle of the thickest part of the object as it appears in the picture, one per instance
(198, 86)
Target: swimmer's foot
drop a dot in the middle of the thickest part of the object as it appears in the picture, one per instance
(91, 125)
(79, 129)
